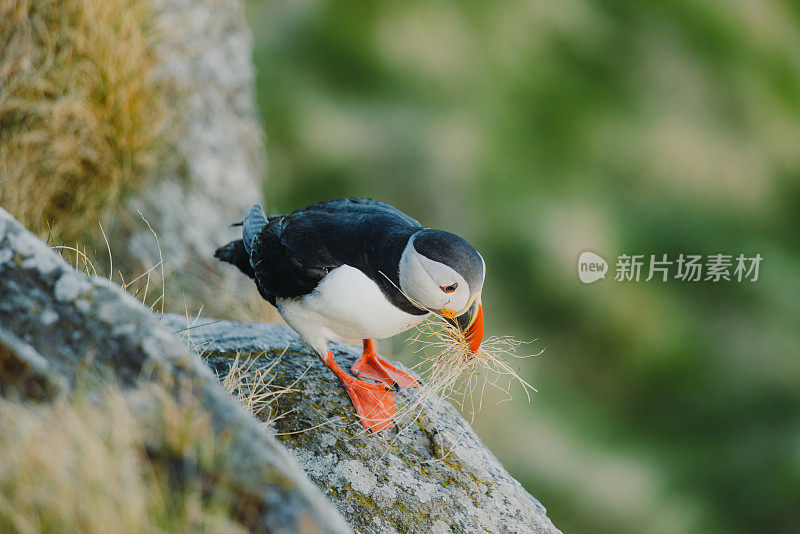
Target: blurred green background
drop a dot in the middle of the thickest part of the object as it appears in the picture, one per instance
(541, 129)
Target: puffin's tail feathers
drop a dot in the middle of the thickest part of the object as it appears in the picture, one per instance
(252, 224)
(235, 253)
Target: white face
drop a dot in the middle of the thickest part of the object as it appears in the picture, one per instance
(432, 284)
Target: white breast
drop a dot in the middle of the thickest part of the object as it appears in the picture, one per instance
(345, 305)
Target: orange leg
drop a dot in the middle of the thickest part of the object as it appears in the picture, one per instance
(370, 365)
(374, 403)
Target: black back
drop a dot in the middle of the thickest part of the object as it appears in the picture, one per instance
(292, 253)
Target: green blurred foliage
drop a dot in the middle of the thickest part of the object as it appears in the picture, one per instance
(541, 129)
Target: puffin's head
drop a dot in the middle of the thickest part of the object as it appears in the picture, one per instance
(443, 273)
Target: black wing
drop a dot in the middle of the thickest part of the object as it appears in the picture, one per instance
(294, 252)
(355, 207)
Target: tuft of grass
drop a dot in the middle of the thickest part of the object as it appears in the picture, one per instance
(84, 466)
(82, 119)
(450, 370)
(138, 285)
(254, 386)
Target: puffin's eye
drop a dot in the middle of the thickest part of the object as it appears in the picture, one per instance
(449, 289)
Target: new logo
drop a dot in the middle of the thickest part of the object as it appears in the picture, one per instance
(591, 267)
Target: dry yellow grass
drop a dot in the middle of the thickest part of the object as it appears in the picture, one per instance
(137, 284)
(81, 117)
(254, 386)
(83, 466)
(450, 370)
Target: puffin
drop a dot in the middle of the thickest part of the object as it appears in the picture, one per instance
(359, 268)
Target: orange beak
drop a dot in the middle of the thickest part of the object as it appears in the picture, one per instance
(475, 329)
(471, 323)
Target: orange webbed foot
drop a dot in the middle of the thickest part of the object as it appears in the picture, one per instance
(374, 403)
(370, 365)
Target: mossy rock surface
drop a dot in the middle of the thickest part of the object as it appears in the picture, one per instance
(431, 474)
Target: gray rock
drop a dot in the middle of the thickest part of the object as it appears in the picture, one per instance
(435, 475)
(26, 373)
(59, 328)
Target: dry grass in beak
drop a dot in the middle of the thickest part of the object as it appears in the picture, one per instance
(450, 370)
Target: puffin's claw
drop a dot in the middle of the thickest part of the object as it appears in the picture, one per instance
(392, 387)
